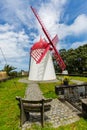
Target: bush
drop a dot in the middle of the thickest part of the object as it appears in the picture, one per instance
(66, 80)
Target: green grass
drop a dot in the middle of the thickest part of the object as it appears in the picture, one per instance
(84, 79)
(48, 89)
(9, 112)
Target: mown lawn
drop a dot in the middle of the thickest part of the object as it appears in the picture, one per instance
(9, 112)
(48, 89)
(84, 79)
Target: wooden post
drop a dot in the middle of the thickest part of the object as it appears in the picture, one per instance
(22, 113)
(85, 91)
(42, 113)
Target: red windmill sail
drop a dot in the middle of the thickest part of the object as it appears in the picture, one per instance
(51, 42)
(39, 50)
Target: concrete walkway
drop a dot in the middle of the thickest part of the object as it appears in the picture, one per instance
(33, 92)
(77, 82)
(60, 113)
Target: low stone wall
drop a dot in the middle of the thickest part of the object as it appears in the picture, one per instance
(3, 75)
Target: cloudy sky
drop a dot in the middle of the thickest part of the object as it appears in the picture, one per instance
(19, 29)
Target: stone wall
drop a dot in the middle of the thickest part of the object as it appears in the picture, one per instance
(3, 75)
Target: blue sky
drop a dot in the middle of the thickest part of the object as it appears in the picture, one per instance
(19, 29)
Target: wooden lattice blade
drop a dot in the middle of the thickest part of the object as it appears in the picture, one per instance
(39, 54)
(44, 53)
(51, 42)
(55, 40)
(59, 60)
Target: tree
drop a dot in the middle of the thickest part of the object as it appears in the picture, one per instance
(75, 59)
(8, 69)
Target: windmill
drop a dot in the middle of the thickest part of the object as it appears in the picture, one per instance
(40, 56)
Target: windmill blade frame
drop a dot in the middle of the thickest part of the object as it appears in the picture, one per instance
(56, 54)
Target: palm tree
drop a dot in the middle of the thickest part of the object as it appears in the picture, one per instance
(8, 69)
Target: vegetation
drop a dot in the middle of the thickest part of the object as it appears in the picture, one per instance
(8, 69)
(75, 60)
(66, 80)
(84, 79)
(70, 78)
(9, 112)
(48, 89)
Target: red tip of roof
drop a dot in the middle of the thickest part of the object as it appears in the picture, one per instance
(41, 44)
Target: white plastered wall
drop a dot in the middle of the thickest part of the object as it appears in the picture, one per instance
(42, 71)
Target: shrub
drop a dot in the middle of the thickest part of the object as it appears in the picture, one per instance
(66, 80)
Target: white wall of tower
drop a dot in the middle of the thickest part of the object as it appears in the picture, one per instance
(44, 70)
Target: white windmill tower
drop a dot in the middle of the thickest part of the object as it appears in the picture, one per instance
(41, 66)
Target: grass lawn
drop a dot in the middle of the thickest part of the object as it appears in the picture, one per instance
(9, 112)
(48, 89)
(84, 79)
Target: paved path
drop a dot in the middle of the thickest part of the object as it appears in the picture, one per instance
(60, 113)
(77, 81)
(33, 92)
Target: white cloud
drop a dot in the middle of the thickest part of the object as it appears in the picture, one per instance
(77, 44)
(12, 45)
(6, 27)
(16, 12)
(80, 25)
(77, 28)
(50, 14)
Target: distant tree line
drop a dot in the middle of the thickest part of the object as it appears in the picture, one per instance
(75, 60)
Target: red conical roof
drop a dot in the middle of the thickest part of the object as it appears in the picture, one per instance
(41, 44)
